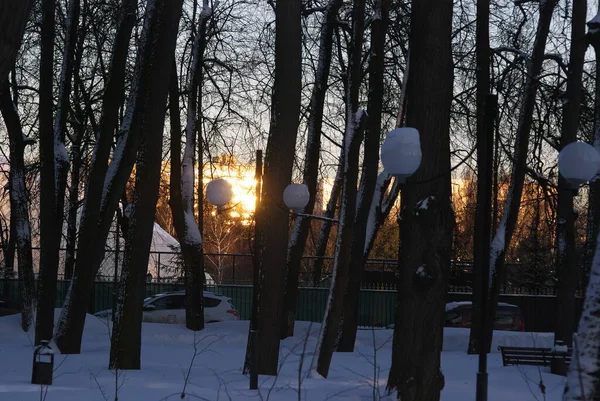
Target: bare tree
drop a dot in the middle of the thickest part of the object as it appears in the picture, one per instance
(19, 206)
(352, 140)
(272, 217)
(146, 108)
(54, 167)
(104, 187)
(426, 215)
(368, 179)
(311, 167)
(182, 206)
(503, 236)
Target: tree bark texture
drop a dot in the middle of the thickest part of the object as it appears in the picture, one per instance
(60, 166)
(426, 216)
(272, 225)
(566, 260)
(19, 207)
(481, 240)
(368, 179)
(14, 15)
(311, 168)
(191, 236)
(355, 120)
(506, 228)
(49, 240)
(100, 202)
(162, 22)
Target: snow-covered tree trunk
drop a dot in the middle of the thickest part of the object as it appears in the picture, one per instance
(49, 236)
(19, 206)
(273, 218)
(60, 167)
(188, 231)
(355, 121)
(311, 167)
(503, 236)
(149, 102)
(583, 378)
(426, 217)
(103, 189)
(565, 228)
(326, 226)
(368, 180)
(14, 15)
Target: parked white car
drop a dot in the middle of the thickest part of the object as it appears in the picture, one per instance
(169, 307)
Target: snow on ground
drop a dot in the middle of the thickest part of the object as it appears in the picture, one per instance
(216, 373)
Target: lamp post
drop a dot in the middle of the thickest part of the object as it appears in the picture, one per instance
(578, 163)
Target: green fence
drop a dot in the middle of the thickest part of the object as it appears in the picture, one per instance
(376, 307)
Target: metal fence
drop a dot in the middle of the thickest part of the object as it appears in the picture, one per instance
(376, 307)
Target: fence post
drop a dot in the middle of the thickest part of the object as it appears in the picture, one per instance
(233, 270)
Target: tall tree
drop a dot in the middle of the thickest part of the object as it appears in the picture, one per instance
(182, 205)
(311, 167)
(14, 15)
(368, 179)
(49, 242)
(146, 106)
(506, 228)
(104, 187)
(56, 170)
(19, 206)
(272, 222)
(350, 160)
(565, 228)
(426, 215)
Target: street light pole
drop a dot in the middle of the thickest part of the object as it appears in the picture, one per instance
(484, 200)
(253, 338)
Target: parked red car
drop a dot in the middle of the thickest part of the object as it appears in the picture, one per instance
(508, 317)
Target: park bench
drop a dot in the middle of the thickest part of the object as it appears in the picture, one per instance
(557, 360)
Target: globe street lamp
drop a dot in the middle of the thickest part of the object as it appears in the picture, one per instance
(578, 163)
(219, 192)
(296, 196)
(401, 152)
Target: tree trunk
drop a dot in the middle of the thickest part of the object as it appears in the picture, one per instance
(100, 200)
(593, 216)
(565, 229)
(368, 179)
(426, 217)
(79, 128)
(158, 46)
(311, 168)
(49, 240)
(190, 237)
(272, 225)
(481, 240)
(317, 267)
(19, 208)
(60, 166)
(352, 140)
(583, 382)
(506, 228)
(14, 15)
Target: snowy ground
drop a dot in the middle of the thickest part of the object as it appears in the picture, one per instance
(168, 349)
